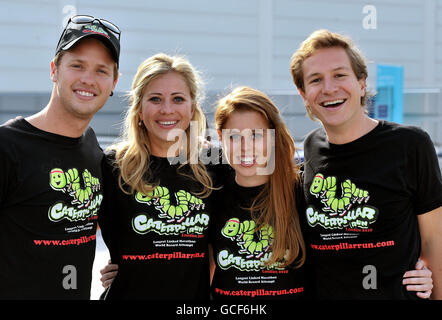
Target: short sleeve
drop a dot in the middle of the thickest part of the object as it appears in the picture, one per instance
(427, 175)
(107, 211)
(7, 174)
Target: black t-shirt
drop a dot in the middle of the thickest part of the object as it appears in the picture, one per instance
(363, 199)
(240, 252)
(160, 243)
(50, 193)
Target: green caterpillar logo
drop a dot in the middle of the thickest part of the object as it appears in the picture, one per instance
(178, 216)
(349, 208)
(85, 205)
(325, 188)
(70, 182)
(244, 234)
(254, 246)
(160, 198)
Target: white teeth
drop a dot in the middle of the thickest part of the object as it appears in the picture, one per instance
(247, 160)
(167, 123)
(85, 93)
(332, 102)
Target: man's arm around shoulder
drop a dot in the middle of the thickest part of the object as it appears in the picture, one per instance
(430, 226)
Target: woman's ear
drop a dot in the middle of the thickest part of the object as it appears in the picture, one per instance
(363, 85)
(192, 111)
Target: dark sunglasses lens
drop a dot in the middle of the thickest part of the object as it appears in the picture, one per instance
(110, 26)
(88, 19)
(82, 19)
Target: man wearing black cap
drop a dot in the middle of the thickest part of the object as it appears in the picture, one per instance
(50, 176)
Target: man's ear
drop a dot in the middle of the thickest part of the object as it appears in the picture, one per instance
(115, 82)
(53, 71)
(302, 94)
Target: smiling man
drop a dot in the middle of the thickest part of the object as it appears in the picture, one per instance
(50, 171)
(373, 188)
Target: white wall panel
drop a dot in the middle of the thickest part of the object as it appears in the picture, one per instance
(232, 42)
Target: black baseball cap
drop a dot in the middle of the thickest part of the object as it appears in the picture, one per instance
(83, 26)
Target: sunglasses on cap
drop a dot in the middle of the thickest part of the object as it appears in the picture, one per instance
(81, 26)
(85, 19)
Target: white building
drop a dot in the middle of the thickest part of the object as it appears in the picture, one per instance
(232, 42)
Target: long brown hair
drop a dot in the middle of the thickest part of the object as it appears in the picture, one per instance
(276, 203)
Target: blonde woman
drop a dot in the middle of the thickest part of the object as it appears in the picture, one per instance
(157, 215)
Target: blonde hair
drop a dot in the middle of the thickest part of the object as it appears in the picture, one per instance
(276, 204)
(132, 154)
(321, 39)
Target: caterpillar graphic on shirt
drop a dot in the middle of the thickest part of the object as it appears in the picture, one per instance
(254, 246)
(350, 209)
(244, 234)
(177, 213)
(83, 190)
(160, 197)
